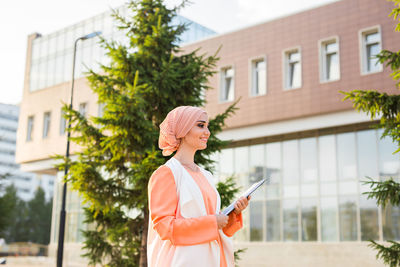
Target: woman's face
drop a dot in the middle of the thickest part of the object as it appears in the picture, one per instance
(197, 137)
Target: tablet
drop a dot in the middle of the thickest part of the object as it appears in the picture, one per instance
(246, 194)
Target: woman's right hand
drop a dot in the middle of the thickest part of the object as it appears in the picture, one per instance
(222, 220)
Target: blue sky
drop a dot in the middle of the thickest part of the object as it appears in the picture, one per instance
(19, 18)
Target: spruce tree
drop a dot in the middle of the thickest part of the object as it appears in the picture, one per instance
(8, 204)
(119, 151)
(39, 218)
(386, 108)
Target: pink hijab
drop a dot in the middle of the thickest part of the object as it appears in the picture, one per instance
(175, 126)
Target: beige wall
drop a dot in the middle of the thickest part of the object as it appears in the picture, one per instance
(41, 101)
(352, 254)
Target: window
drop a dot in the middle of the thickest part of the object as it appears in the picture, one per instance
(329, 60)
(46, 124)
(370, 47)
(100, 111)
(83, 109)
(292, 70)
(258, 77)
(227, 84)
(63, 123)
(30, 128)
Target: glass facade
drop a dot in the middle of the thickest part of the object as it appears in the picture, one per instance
(52, 55)
(315, 189)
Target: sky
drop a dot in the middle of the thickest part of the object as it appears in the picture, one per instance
(19, 18)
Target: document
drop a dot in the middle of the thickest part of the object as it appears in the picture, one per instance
(246, 194)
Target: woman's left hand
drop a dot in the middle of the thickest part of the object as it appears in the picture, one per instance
(241, 204)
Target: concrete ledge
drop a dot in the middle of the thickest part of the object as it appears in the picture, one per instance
(354, 254)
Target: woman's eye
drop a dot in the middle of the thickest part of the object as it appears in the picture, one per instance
(201, 125)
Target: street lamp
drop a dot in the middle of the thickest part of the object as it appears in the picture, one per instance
(60, 249)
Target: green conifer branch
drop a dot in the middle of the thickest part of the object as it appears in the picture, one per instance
(384, 192)
(390, 255)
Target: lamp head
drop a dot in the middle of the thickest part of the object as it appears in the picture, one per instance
(90, 35)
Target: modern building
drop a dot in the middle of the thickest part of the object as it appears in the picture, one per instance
(42, 129)
(25, 183)
(291, 126)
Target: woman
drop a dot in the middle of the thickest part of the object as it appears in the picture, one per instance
(185, 225)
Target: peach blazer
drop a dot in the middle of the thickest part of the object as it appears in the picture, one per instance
(181, 232)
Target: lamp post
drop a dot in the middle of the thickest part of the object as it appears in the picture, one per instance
(60, 248)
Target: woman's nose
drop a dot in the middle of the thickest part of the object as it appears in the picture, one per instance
(208, 132)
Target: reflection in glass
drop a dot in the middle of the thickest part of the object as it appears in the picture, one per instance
(259, 86)
(290, 219)
(257, 168)
(51, 65)
(34, 77)
(59, 70)
(293, 70)
(274, 169)
(273, 220)
(328, 218)
(42, 73)
(52, 44)
(35, 49)
(241, 164)
(257, 163)
(308, 190)
(214, 156)
(226, 163)
(256, 221)
(61, 41)
(308, 160)
(227, 90)
(346, 154)
(328, 189)
(348, 187)
(348, 218)
(369, 219)
(43, 47)
(79, 67)
(68, 58)
(290, 162)
(391, 222)
(327, 158)
(81, 226)
(342, 208)
(373, 47)
(331, 61)
(367, 154)
(388, 162)
(309, 219)
(71, 227)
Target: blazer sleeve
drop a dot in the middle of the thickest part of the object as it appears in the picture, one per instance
(163, 204)
(235, 223)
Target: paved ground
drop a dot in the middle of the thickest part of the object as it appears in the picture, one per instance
(37, 262)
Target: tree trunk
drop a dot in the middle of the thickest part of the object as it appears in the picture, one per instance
(143, 245)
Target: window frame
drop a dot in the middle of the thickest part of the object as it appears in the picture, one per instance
(29, 128)
(363, 51)
(63, 123)
(322, 58)
(85, 104)
(285, 68)
(221, 86)
(252, 67)
(46, 124)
